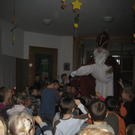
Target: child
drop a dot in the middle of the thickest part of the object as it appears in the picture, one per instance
(69, 124)
(26, 89)
(18, 107)
(74, 92)
(60, 92)
(95, 131)
(76, 111)
(68, 88)
(27, 103)
(37, 83)
(127, 108)
(64, 82)
(23, 123)
(75, 82)
(56, 84)
(49, 97)
(113, 119)
(5, 97)
(98, 112)
(34, 100)
(33, 91)
(46, 130)
(70, 78)
(130, 130)
(3, 127)
(87, 101)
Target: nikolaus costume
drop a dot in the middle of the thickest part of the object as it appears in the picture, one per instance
(102, 78)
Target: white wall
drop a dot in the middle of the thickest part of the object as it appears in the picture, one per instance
(63, 44)
(24, 39)
(66, 53)
(15, 50)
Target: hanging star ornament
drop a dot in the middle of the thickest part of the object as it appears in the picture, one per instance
(76, 4)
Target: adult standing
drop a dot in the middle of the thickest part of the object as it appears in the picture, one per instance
(101, 72)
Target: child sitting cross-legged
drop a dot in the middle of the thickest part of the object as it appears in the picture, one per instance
(97, 113)
(69, 124)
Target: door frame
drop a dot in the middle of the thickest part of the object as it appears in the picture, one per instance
(40, 50)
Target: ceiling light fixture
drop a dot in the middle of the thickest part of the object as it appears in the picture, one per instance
(108, 19)
(47, 21)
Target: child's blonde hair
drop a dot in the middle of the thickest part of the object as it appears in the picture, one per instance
(94, 131)
(3, 127)
(21, 123)
(3, 91)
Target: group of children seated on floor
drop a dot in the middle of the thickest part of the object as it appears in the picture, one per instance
(77, 115)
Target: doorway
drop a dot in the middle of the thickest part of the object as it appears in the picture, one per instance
(42, 61)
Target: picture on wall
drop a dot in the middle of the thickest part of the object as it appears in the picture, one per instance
(66, 66)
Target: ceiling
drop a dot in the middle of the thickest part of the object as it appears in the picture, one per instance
(30, 14)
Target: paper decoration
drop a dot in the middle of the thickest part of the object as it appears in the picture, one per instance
(76, 4)
(14, 21)
(133, 6)
(64, 4)
(77, 18)
(75, 25)
(79, 42)
(14, 26)
(75, 37)
(13, 38)
(75, 10)
(76, 7)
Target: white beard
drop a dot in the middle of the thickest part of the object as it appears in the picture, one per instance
(100, 58)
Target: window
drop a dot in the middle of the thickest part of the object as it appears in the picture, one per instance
(123, 53)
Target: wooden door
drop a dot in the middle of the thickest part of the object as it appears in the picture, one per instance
(42, 61)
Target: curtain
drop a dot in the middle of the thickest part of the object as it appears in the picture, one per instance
(7, 68)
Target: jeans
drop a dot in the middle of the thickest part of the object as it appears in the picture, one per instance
(48, 118)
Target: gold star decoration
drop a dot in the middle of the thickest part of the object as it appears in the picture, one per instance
(76, 4)
(133, 6)
(134, 35)
(63, 0)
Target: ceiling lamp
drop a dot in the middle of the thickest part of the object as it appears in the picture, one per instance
(108, 19)
(47, 21)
